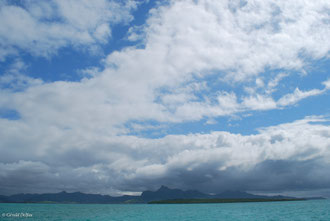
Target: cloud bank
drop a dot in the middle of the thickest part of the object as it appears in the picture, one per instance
(292, 156)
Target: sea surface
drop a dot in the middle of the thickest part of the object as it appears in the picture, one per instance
(277, 211)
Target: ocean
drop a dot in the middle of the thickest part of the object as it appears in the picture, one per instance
(263, 211)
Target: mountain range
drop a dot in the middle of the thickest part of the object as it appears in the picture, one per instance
(163, 193)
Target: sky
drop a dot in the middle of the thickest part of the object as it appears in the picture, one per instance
(121, 96)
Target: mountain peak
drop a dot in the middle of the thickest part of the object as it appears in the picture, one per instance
(166, 193)
(163, 188)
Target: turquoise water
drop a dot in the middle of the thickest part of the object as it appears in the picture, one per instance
(277, 211)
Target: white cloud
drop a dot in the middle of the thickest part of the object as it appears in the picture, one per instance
(266, 102)
(272, 84)
(327, 84)
(259, 102)
(298, 95)
(167, 81)
(245, 40)
(13, 79)
(41, 28)
(239, 43)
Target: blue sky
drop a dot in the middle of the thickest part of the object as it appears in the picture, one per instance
(136, 94)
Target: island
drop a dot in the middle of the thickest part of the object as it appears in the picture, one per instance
(161, 196)
(189, 201)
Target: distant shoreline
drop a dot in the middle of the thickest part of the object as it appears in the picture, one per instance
(162, 195)
(177, 201)
(192, 201)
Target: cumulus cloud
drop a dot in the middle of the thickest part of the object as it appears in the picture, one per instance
(235, 41)
(167, 80)
(41, 28)
(291, 156)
